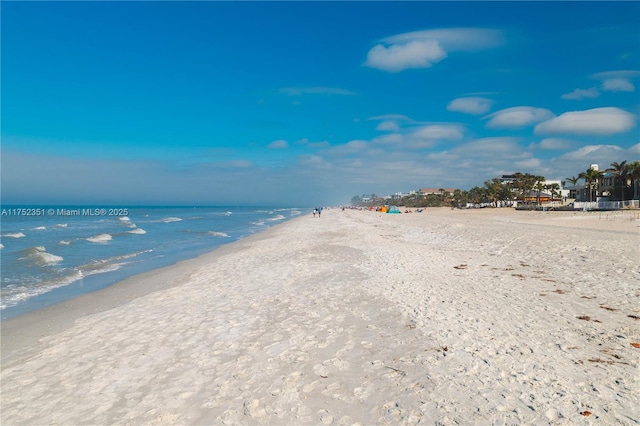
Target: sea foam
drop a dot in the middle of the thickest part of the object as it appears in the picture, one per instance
(14, 235)
(171, 219)
(40, 256)
(137, 231)
(102, 238)
(218, 234)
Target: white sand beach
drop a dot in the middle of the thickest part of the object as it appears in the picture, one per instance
(443, 317)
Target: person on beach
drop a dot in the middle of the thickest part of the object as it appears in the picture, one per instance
(314, 212)
(319, 211)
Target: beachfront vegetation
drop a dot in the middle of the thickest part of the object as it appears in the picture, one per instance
(523, 187)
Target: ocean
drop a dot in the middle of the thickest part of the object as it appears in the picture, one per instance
(52, 254)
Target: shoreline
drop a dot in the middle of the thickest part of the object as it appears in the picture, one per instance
(449, 316)
(81, 264)
(24, 331)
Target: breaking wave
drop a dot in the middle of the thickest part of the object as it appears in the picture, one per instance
(14, 235)
(40, 256)
(102, 238)
(218, 234)
(137, 231)
(171, 219)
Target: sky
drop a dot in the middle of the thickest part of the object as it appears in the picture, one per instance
(308, 103)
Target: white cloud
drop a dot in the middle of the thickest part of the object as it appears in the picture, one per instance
(607, 75)
(398, 57)
(612, 81)
(518, 117)
(348, 148)
(388, 125)
(439, 132)
(422, 137)
(393, 138)
(589, 153)
(279, 144)
(618, 85)
(597, 121)
(617, 81)
(579, 94)
(555, 143)
(489, 147)
(530, 163)
(422, 49)
(314, 162)
(471, 105)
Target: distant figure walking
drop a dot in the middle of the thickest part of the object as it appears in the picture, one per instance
(315, 211)
(319, 211)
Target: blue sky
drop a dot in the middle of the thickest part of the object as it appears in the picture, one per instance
(308, 103)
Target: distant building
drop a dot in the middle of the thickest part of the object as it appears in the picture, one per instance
(430, 191)
(506, 179)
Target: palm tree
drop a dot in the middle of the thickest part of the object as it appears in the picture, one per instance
(524, 183)
(444, 195)
(554, 188)
(620, 171)
(591, 177)
(539, 185)
(634, 174)
(574, 180)
(493, 188)
(459, 197)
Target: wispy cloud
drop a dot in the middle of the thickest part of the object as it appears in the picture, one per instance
(597, 121)
(618, 85)
(397, 117)
(515, 117)
(587, 152)
(625, 74)
(440, 132)
(309, 144)
(470, 105)
(399, 57)
(488, 147)
(423, 136)
(612, 81)
(240, 164)
(278, 144)
(349, 148)
(579, 94)
(388, 125)
(298, 91)
(555, 144)
(422, 49)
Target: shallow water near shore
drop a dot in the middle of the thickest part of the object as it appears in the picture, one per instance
(68, 251)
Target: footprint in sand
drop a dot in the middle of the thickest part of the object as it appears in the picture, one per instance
(321, 370)
(310, 386)
(361, 394)
(325, 417)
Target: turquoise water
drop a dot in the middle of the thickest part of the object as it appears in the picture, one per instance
(56, 253)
